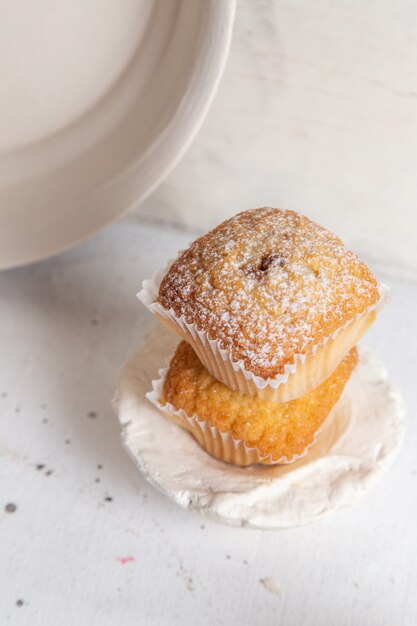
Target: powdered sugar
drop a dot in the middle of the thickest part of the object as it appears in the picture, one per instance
(267, 284)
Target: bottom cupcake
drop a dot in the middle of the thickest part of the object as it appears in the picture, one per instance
(239, 429)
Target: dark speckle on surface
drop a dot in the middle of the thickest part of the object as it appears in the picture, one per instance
(43, 406)
(67, 441)
(245, 562)
(99, 466)
(202, 527)
(108, 499)
(10, 507)
(92, 414)
(228, 557)
(45, 420)
(97, 480)
(49, 472)
(40, 466)
(94, 322)
(4, 394)
(17, 409)
(19, 602)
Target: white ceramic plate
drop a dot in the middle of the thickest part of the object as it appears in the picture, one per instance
(357, 442)
(98, 101)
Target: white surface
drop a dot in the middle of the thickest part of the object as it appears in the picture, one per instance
(357, 566)
(97, 102)
(317, 112)
(357, 442)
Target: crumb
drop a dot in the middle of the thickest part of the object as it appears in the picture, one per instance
(10, 507)
(186, 577)
(270, 585)
(125, 559)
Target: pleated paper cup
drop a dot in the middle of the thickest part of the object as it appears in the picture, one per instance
(221, 445)
(306, 371)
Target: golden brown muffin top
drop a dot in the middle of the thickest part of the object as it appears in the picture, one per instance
(267, 284)
(276, 428)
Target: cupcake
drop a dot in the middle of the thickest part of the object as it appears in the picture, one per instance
(239, 429)
(269, 300)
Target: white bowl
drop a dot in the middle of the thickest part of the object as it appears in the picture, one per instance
(98, 101)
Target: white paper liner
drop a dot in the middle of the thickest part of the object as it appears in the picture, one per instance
(285, 387)
(221, 445)
(355, 447)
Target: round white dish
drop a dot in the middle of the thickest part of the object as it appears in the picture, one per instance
(98, 101)
(359, 439)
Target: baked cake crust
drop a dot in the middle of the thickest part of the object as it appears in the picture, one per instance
(268, 283)
(276, 429)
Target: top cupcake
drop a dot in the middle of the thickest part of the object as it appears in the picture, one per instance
(268, 284)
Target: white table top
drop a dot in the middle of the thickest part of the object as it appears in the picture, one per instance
(66, 326)
(316, 112)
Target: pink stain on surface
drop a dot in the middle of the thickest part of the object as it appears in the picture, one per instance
(125, 559)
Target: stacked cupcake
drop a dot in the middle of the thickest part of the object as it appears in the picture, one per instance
(269, 307)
